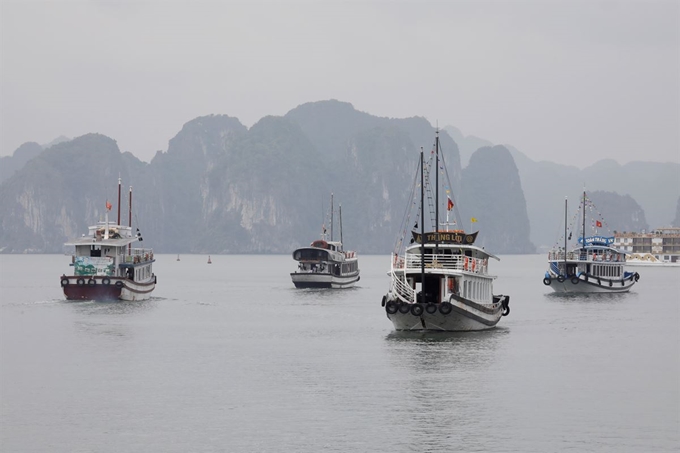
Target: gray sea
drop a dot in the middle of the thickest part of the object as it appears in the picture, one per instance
(230, 357)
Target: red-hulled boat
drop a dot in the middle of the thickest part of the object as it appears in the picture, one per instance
(106, 267)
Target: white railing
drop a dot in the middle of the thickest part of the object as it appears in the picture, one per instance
(440, 261)
(589, 257)
(402, 289)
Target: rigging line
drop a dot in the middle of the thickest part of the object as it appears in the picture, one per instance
(405, 222)
(456, 212)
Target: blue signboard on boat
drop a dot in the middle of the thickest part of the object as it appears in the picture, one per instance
(597, 240)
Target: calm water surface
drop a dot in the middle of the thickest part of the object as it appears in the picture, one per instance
(231, 357)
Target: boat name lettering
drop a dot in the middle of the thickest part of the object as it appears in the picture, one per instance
(597, 240)
(447, 238)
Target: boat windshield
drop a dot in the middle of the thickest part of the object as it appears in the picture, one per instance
(310, 255)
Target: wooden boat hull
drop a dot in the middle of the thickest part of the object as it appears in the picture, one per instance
(102, 288)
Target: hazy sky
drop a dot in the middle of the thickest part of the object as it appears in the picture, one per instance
(572, 82)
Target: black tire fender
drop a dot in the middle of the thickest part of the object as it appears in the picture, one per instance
(547, 281)
(431, 308)
(80, 282)
(91, 282)
(106, 281)
(417, 309)
(445, 308)
(391, 307)
(64, 282)
(575, 280)
(382, 304)
(560, 278)
(404, 307)
(119, 284)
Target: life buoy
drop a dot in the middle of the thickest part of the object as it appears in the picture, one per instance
(106, 281)
(119, 284)
(575, 280)
(416, 309)
(465, 263)
(81, 282)
(473, 264)
(547, 281)
(64, 282)
(560, 278)
(431, 308)
(91, 282)
(445, 308)
(451, 284)
(391, 307)
(404, 307)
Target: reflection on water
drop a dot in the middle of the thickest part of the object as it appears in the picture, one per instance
(306, 296)
(589, 297)
(444, 385)
(121, 307)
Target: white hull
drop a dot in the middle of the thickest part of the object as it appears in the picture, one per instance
(582, 286)
(321, 280)
(136, 291)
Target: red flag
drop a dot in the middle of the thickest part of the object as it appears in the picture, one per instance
(108, 205)
(450, 205)
(598, 224)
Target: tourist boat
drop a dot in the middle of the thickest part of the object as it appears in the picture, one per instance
(440, 281)
(325, 264)
(106, 267)
(658, 248)
(593, 267)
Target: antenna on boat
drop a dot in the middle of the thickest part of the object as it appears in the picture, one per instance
(130, 218)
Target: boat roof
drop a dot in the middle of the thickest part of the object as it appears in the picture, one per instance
(89, 240)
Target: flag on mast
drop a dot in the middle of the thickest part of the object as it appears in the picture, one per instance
(598, 224)
(449, 206)
(108, 205)
(473, 220)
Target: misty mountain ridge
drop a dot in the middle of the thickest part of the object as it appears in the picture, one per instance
(223, 188)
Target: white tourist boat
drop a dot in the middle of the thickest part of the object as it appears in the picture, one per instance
(106, 267)
(325, 263)
(657, 248)
(440, 281)
(648, 260)
(593, 267)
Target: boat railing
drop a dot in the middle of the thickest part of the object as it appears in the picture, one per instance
(399, 285)
(444, 262)
(582, 255)
(139, 256)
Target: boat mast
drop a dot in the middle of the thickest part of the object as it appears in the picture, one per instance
(565, 236)
(119, 200)
(422, 226)
(130, 219)
(340, 212)
(436, 191)
(331, 216)
(584, 217)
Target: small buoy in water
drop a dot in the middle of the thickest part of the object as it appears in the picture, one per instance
(209, 262)
(177, 257)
